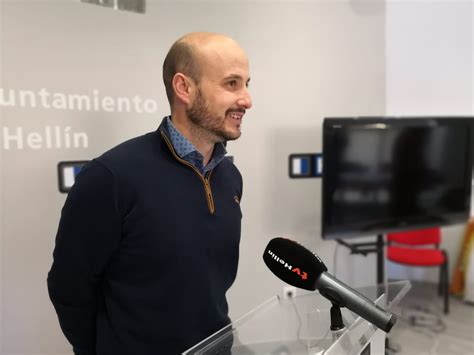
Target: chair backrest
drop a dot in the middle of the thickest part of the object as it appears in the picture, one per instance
(416, 237)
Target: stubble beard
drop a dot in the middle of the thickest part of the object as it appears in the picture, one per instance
(213, 124)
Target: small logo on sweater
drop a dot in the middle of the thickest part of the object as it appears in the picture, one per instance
(236, 199)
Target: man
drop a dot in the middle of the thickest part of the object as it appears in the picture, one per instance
(148, 241)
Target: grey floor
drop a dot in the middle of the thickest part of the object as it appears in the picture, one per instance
(424, 329)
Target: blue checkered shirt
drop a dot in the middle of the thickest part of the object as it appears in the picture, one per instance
(187, 151)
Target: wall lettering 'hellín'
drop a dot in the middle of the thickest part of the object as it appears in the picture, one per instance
(52, 137)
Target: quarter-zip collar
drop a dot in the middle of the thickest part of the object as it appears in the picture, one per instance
(187, 151)
(204, 178)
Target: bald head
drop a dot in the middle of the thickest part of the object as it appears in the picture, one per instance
(189, 54)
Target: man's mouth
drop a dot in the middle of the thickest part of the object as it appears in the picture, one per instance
(236, 114)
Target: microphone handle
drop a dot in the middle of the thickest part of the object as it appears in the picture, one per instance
(353, 300)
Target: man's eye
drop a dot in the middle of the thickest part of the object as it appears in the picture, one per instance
(233, 83)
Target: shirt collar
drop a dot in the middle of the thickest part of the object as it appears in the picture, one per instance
(181, 144)
(187, 151)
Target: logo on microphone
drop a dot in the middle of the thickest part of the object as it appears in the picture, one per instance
(302, 274)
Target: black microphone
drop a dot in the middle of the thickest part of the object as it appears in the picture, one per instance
(299, 267)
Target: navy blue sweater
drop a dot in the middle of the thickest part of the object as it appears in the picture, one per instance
(145, 251)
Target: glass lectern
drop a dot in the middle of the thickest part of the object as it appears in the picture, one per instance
(301, 325)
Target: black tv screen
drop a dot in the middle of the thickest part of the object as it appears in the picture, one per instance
(389, 174)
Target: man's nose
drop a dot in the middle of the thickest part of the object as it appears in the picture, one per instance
(245, 100)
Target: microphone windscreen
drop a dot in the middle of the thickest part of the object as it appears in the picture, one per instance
(293, 263)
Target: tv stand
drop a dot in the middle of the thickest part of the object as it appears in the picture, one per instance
(369, 247)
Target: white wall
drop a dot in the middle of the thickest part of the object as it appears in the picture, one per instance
(307, 66)
(429, 71)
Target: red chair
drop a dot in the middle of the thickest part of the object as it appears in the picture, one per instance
(409, 248)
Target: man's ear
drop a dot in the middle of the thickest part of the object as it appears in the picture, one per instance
(183, 87)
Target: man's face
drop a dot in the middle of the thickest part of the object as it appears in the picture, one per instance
(222, 96)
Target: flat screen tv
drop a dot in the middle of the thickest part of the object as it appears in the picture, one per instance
(390, 174)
